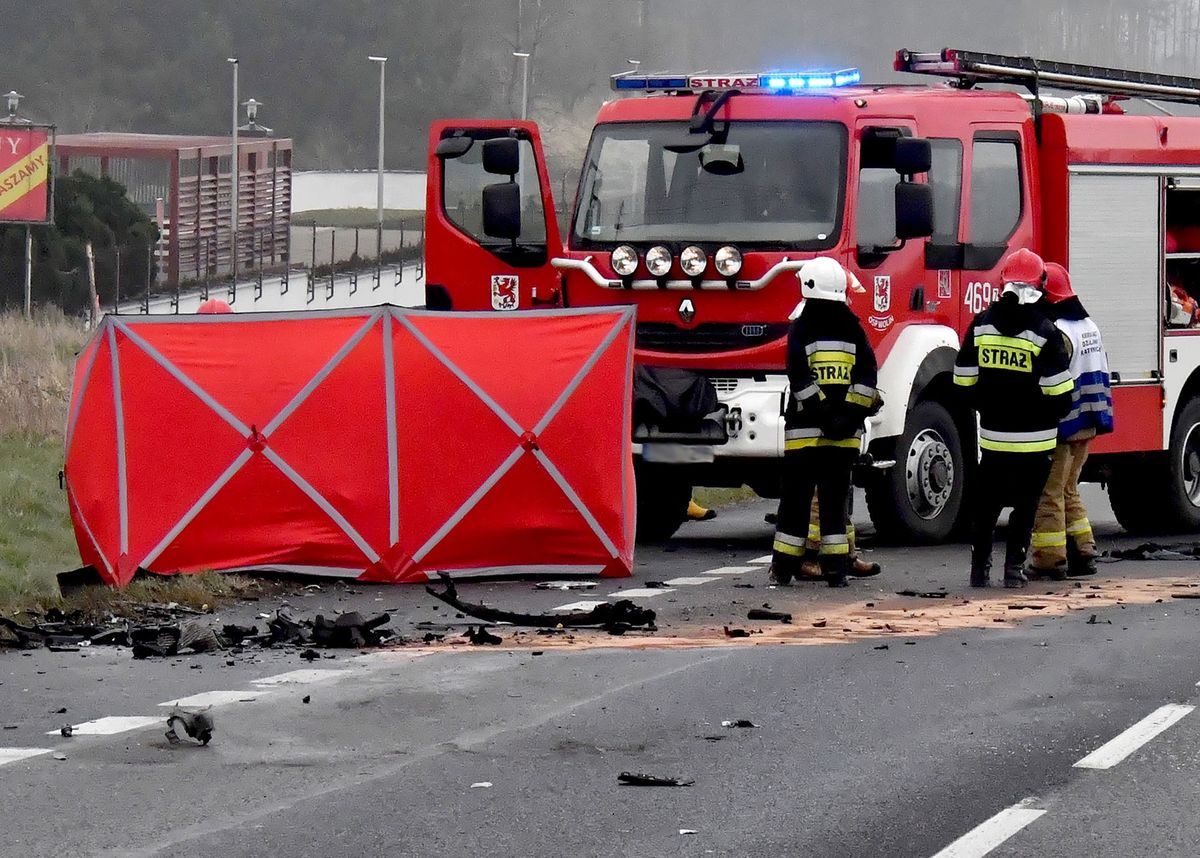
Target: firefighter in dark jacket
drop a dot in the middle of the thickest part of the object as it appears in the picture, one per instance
(831, 371)
(1013, 364)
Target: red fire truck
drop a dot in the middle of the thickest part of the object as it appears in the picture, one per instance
(699, 200)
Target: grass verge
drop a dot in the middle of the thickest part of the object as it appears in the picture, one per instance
(718, 498)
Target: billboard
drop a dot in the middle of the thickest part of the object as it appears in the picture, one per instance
(25, 173)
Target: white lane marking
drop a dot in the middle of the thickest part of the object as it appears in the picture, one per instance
(303, 676)
(986, 836)
(216, 698)
(110, 725)
(641, 592)
(688, 582)
(766, 558)
(730, 570)
(1117, 749)
(13, 755)
(572, 607)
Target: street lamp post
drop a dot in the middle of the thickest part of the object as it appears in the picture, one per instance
(379, 180)
(524, 56)
(233, 205)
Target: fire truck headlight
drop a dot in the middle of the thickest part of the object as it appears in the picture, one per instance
(693, 261)
(728, 261)
(624, 261)
(658, 261)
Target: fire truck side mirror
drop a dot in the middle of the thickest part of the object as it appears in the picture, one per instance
(502, 210)
(502, 156)
(913, 155)
(914, 211)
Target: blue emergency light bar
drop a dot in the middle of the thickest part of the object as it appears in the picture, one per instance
(770, 82)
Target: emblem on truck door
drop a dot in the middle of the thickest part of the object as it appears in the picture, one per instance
(505, 292)
(687, 311)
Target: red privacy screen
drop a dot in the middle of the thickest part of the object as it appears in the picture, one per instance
(380, 443)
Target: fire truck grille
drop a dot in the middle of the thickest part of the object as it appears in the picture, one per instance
(708, 337)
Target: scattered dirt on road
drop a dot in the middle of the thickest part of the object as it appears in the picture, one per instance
(897, 616)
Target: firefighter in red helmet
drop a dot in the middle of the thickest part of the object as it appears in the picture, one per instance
(1062, 540)
(1014, 369)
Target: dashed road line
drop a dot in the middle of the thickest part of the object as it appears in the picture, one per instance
(15, 755)
(731, 570)
(572, 607)
(762, 561)
(688, 581)
(641, 592)
(304, 676)
(217, 698)
(110, 725)
(986, 836)
(1117, 749)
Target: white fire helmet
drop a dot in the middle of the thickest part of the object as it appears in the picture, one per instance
(824, 279)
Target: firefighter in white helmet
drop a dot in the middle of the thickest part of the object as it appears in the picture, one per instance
(831, 370)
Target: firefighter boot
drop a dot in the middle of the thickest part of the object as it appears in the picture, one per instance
(810, 569)
(1014, 569)
(778, 577)
(1079, 565)
(860, 568)
(981, 568)
(833, 566)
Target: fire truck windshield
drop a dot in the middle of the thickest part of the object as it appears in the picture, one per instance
(773, 184)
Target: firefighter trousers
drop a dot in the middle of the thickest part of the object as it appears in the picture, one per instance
(1061, 514)
(1006, 480)
(814, 469)
(812, 545)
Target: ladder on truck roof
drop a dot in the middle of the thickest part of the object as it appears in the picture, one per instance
(968, 68)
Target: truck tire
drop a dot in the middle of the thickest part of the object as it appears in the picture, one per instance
(1136, 493)
(662, 500)
(920, 499)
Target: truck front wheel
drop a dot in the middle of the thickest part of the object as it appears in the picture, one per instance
(1161, 493)
(921, 497)
(662, 500)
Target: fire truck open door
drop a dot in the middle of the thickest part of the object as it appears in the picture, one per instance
(1115, 255)
(490, 227)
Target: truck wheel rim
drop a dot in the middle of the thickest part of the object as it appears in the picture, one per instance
(929, 474)
(1191, 465)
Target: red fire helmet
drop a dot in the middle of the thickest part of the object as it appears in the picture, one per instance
(214, 305)
(1024, 266)
(1058, 283)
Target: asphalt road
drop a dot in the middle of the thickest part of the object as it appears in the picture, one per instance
(887, 725)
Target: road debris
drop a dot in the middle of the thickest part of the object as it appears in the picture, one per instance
(310, 655)
(1155, 551)
(482, 637)
(197, 724)
(736, 633)
(60, 756)
(482, 785)
(638, 779)
(763, 614)
(66, 730)
(928, 594)
(606, 614)
(1185, 595)
(740, 723)
(306, 699)
(565, 585)
(688, 831)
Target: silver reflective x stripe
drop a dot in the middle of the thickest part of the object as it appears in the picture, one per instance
(82, 387)
(87, 529)
(119, 410)
(484, 396)
(389, 398)
(322, 374)
(326, 507)
(459, 514)
(806, 393)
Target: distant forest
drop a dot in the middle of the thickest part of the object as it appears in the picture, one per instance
(159, 65)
